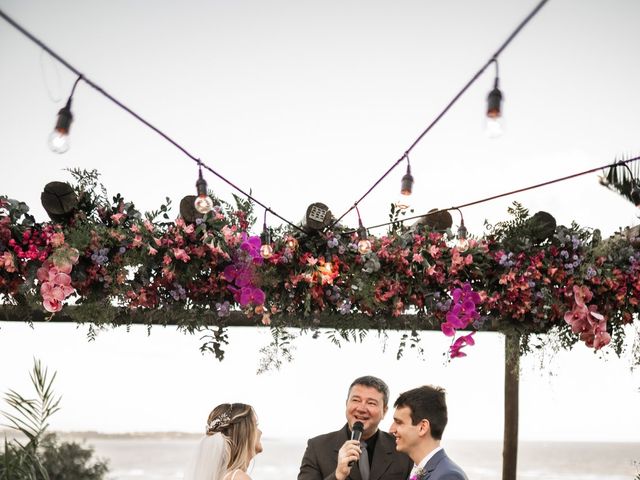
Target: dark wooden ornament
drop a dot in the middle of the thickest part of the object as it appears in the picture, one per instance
(318, 217)
(435, 220)
(59, 201)
(187, 209)
(543, 227)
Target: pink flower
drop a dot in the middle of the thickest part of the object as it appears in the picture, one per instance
(57, 239)
(181, 254)
(52, 305)
(585, 320)
(152, 251)
(117, 218)
(6, 261)
(455, 350)
(230, 236)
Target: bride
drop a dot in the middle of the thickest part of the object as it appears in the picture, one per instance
(231, 441)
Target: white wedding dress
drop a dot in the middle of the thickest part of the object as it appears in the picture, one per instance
(210, 460)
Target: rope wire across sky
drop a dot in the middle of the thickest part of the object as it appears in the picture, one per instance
(405, 155)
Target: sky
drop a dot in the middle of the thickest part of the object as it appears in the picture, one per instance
(303, 102)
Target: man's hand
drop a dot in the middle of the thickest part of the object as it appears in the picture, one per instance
(349, 452)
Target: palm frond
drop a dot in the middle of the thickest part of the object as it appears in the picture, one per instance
(30, 416)
(621, 177)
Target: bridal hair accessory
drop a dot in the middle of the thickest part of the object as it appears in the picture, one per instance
(221, 421)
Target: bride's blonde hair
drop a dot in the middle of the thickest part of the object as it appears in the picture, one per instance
(238, 423)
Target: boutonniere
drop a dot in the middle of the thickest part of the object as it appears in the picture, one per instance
(418, 474)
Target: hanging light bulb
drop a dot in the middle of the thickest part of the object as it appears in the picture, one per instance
(266, 250)
(291, 243)
(203, 202)
(462, 244)
(406, 187)
(364, 244)
(494, 109)
(59, 138)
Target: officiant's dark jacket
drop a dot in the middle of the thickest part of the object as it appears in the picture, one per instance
(321, 458)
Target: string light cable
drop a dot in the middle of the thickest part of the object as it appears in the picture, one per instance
(114, 100)
(493, 59)
(506, 194)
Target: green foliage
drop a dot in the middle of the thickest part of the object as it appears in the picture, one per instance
(42, 456)
(70, 460)
(395, 214)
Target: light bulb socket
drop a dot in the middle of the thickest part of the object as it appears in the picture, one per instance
(494, 102)
(362, 233)
(462, 232)
(406, 184)
(201, 186)
(65, 117)
(265, 236)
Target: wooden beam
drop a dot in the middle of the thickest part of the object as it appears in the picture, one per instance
(13, 313)
(511, 400)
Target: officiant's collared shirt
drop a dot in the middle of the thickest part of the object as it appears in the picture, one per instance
(371, 444)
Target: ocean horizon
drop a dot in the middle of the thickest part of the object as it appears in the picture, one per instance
(164, 456)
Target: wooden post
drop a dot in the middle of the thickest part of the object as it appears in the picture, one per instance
(511, 387)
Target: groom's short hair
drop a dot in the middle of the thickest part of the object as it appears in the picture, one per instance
(426, 402)
(372, 382)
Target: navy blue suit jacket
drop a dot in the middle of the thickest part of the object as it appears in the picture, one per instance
(441, 467)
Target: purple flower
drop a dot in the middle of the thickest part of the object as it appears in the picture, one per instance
(223, 309)
(345, 307)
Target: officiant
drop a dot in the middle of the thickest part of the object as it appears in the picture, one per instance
(336, 456)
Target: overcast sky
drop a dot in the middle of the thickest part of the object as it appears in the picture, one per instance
(303, 102)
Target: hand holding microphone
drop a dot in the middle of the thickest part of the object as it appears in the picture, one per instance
(356, 434)
(349, 452)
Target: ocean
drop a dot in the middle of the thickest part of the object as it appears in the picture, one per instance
(164, 457)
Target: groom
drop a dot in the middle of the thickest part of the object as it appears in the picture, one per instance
(334, 456)
(418, 424)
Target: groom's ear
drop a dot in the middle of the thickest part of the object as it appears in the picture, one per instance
(424, 427)
(384, 410)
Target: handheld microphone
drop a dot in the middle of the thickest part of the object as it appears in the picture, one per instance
(356, 434)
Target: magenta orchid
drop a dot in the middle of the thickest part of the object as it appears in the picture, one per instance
(455, 351)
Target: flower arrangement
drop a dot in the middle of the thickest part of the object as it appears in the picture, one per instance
(109, 258)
